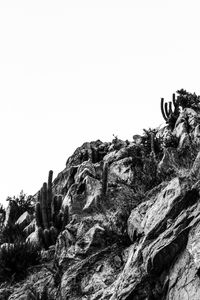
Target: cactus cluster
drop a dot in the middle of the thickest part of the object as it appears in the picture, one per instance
(169, 114)
(50, 219)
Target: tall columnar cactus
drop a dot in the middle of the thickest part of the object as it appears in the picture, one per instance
(44, 205)
(50, 220)
(170, 115)
(104, 179)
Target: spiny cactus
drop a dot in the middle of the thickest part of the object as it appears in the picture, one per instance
(104, 179)
(170, 115)
(152, 145)
(50, 220)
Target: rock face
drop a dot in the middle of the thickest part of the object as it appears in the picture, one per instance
(123, 240)
(148, 250)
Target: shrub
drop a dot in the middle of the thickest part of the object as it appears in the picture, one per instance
(11, 234)
(150, 142)
(186, 99)
(145, 158)
(117, 143)
(15, 259)
(24, 202)
(2, 214)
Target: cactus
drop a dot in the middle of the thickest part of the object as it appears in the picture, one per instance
(152, 134)
(46, 238)
(49, 194)
(44, 205)
(53, 234)
(50, 220)
(104, 179)
(38, 215)
(170, 115)
(47, 206)
(55, 208)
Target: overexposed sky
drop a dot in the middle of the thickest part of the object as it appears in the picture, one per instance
(76, 71)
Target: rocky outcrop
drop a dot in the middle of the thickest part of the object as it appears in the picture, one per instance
(134, 220)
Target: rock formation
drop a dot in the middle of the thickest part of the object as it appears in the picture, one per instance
(133, 229)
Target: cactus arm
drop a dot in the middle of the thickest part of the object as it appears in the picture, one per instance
(53, 209)
(44, 206)
(166, 110)
(49, 195)
(104, 179)
(162, 109)
(47, 238)
(53, 234)
(152, 144)
(170, 108)
(38, 216)
(174, 99)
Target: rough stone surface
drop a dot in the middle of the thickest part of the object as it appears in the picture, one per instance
(24, 219)
(123, 243)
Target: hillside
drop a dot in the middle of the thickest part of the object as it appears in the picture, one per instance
(121, 221)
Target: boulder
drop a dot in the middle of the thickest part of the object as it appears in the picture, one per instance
(134, 224)
(24, 219)
(121, 170)
(93, 194)
(170, 162)
(86, 168)
(93, 238)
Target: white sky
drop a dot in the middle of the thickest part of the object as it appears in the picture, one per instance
(75, 71)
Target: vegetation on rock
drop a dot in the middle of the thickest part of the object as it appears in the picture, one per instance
(12, 233)
(183, 100)
(15, 259)
(119, 222)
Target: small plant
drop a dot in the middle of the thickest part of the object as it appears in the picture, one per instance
(15, 259)
(150, 143)
(117, 143)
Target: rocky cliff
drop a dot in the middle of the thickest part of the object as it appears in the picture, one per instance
(134, 218)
